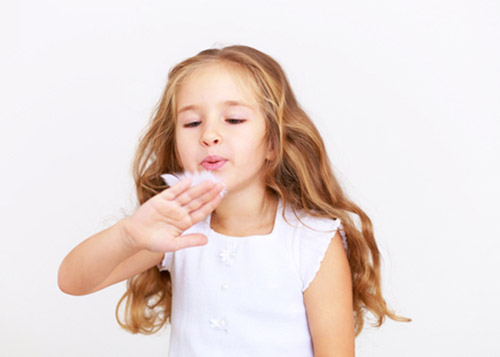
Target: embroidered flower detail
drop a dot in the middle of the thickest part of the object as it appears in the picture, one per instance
(227, 254)
(220, 323)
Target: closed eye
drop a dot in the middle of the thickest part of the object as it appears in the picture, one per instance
(235, 121)
(192, 125)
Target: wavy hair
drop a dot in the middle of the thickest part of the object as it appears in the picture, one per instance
(300, 174)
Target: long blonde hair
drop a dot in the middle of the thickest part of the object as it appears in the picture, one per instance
(300, 174)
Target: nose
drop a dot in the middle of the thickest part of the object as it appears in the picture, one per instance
(210, 136)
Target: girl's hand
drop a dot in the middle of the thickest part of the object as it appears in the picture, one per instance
(159, 223)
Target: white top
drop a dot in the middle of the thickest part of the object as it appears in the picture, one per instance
(243, 296)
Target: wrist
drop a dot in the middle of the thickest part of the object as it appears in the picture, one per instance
(125, 237)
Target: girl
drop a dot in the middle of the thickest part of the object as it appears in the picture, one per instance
(274, 267)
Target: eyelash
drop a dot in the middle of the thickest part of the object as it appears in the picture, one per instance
(191, 125)
(235, 121)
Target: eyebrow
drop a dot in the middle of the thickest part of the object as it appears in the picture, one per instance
(229, 103)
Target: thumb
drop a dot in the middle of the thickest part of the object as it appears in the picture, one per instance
(189, 240)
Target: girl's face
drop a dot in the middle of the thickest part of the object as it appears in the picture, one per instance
(217, 117)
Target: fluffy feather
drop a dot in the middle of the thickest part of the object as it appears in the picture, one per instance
(196, 178)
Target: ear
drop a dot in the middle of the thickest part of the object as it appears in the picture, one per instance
(271, 154)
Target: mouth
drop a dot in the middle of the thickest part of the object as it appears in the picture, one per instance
(213, 162)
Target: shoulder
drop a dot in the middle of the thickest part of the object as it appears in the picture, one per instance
(311, 225)
(328, 302)
(310, 237)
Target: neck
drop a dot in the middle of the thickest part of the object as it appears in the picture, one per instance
(245, 213)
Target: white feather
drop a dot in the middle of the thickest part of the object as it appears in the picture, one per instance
(196, 178)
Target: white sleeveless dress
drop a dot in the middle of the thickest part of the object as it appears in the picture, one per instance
(243, 296)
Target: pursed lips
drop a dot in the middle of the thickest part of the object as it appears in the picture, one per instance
(212, 159)
(213, 162)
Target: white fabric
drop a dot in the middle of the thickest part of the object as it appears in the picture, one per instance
(243, 296)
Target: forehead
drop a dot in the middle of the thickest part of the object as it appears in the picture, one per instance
(215, 85)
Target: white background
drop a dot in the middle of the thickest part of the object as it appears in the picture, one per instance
(406, 94)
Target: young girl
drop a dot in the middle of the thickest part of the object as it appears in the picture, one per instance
(264, 259)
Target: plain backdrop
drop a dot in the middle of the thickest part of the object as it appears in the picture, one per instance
(405, 93)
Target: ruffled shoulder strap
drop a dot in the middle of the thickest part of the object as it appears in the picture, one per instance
(310, 245)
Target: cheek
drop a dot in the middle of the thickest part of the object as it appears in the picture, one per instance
(251, 149)
(182, 149)
(183, 154)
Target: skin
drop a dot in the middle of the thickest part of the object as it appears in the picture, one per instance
(138, 243)
(235, 132)
(328, 301)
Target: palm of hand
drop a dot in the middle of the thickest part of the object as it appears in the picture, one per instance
(159, 223)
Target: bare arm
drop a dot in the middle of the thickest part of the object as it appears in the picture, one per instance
(328, 301)
(102, 260)
(138, 243)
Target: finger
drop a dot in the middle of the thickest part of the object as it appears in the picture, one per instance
(206, 197)
(173, 191)
(200, 214)
(189, 240)
(194, 192)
